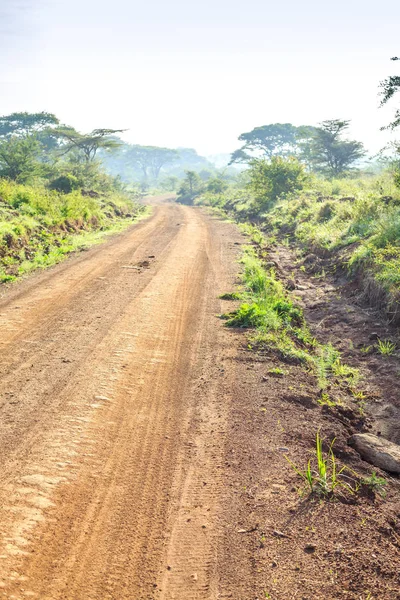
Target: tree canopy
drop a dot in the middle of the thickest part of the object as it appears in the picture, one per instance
(19, 158)
(150, 159)
(268, 140)
(389, 87)
(276, 139)
(22, 124)
(329, 152)
(88, 144)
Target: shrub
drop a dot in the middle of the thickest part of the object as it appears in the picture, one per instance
(275, 178)
(65, 183)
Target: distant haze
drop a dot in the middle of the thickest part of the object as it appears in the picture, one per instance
(178, 73)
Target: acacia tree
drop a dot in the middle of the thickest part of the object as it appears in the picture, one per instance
(22, 124)
(330, 153)
(23, 146)
(87, 144)
(277, 139)
(389, 87)
(150, 159)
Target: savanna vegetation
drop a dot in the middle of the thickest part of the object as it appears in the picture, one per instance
(55, 196)
(314, 186)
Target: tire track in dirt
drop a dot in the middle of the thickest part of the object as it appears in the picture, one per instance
(112, 460)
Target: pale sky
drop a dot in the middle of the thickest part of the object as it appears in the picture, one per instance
(181, 73)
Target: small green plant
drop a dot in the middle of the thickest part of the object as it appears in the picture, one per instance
(328, 363)
(324, 479)
(386, 347)
(230, 296)
(326, 400)
(375, 483)
(276, 372)
(366, 349)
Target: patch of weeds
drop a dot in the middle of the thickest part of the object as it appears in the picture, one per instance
(360, 397)
(321, 475)
(277, 372)
(386, 347)
(230, 296)
(304, 335)
(340, 369)
(328, 363)
(374, 483)
(282, 344)
(320, 275)
(326, 400)
(254, 233)
(367, 349)
(253, 316)
(280, 326)
(5, 278)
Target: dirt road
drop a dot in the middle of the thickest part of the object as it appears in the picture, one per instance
(112, 416)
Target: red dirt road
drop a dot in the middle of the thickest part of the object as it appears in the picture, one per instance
(112, 416)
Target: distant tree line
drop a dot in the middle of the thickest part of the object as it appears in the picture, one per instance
(154, 165)
(36, 146)
(322, 149)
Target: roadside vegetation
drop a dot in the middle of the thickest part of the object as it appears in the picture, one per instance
(55, 197)
(313, 186)
(350, 215)
(279, 326)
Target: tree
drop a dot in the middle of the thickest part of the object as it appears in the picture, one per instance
(390, 86)
(271, 179)
(170, 183)
(277, 139)
(158, 157)
(150, 159)
(305, 139)
(239, 157)
(216, 185)
(329, 153)
(22, 124)
(19, 158)
(88, 144)
(191, 187)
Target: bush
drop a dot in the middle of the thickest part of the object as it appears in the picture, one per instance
(65, 184)
(275, 178)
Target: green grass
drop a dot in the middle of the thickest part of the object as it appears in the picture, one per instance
(277, 324)
(230, 296)
(386, 347)
(356, 220)
(276, 372)
(322, 475)
(374, 483)
(38, 227)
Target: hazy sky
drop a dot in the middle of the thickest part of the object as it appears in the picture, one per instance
(197, 74)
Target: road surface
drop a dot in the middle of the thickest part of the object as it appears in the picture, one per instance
(112, 416)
